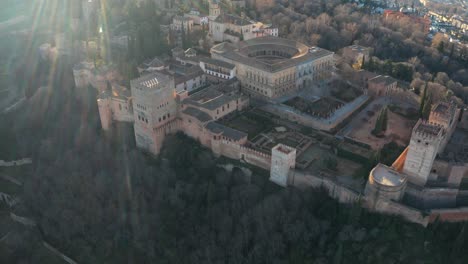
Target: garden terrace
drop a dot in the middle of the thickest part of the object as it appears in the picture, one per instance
(321, 108)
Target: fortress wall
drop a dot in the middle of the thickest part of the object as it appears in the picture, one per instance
(124, 115)
(236, 151)
(160, 133)
(450, 130)
(334, 190)
(408, 213)
(432, 197)
(457, 173)
(449, 215)
(256, 158)
(229, 149)
(346, 195)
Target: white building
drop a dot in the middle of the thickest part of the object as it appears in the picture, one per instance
(218, 70)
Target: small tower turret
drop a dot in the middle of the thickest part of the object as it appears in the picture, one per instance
(215, 9)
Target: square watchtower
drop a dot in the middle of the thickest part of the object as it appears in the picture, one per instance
(422, 151)
(283, 160)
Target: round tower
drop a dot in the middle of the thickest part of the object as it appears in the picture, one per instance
(385, 183)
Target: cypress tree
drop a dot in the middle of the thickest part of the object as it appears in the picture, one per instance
(381, 122)
(423, 100)
(384, 119)
(427, 108)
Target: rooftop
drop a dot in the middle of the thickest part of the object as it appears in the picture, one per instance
(232, 19)
(225, 131)
(212, 97)
(284, 149)
(219, 63)
(151, 80)
(387, 80)
(198, 114)
(120, 91)
(387, 176)
(256, 53)
(358, 48)
(426, 128)
(441, 108)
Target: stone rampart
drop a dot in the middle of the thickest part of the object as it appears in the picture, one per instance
(345, 195)
(334, 189)
(238, 152)
(431, 198)
(449, 215)
(394, 208)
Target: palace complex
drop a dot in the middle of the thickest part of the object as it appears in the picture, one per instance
(282, 106)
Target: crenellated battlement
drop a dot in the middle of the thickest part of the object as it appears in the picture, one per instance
(246, 150)
(427, 130)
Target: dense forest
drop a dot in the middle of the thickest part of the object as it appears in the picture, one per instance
(100, 200)
(335, 24)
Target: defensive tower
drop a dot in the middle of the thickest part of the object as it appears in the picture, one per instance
(283, 161)
(422, 151)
